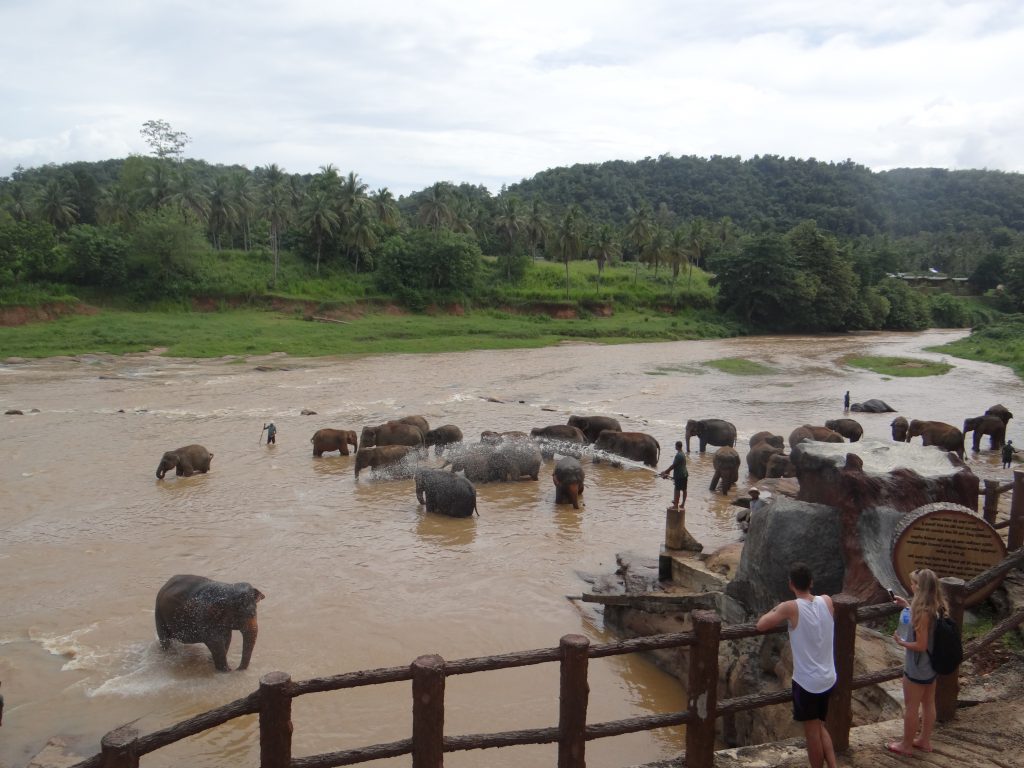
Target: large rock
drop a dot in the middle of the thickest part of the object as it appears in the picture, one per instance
(872, 485)
(784, 532)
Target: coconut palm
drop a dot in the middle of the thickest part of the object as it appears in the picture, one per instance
(699, 242)
(386, 208)
(116, 204)
(657, 248)
(18, 200)
(320, 219)
(188, 195)
(639, 231)
(156, 188)
(537, 227)
(677, 252)
(222, 213)
(510, 224)
(362, 232)
(434, 211)
(56, 205)
(604, 248)
(569, 239)
(244, 201)
(276, 208)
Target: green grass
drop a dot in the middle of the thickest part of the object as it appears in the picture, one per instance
(1000, 342)
(253, 332)
(899, 366)
(739, 366)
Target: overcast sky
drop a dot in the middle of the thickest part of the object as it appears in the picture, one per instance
(408, 93)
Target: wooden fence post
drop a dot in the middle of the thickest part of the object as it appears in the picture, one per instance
(990, 507)
(947, 687)
(119, 748)
(574, 694)
(840, 705)
(428, 712)
(1015, 536)
(275, 720)
(702, 690)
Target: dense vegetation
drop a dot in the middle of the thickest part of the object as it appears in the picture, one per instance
(777, 244)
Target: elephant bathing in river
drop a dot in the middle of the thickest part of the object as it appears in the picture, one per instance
(592, 426)
(560, 438)
(710, 432)
(568, 478)
(380, 456)
(872, 406)
(848, 428)
(445, 493)
(185, 461)
(900, 427)
(819, 434)
(326, 440)
(938, 433)
(763, 446)
(442, 437)
(391, 433)
(727, 468)
(195, 609)
(638, 446)
(989, 424)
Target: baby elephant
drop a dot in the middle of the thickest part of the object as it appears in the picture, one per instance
(445, 493)
(195, 609)
(568, 478)
(185, 461)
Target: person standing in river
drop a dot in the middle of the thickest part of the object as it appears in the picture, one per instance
(680, 475)
(1008, 454)
(271, 433)
(811, 627)
(846, 401)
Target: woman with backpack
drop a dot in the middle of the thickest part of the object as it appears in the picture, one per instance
(915, 633)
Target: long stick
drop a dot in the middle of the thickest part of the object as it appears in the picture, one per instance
(261, 434)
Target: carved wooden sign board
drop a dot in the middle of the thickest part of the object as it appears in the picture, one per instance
(949, 539)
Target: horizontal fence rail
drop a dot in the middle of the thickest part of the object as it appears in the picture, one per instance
(123, 747)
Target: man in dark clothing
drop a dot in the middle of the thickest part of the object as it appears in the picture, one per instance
(1007, 454)
(846, 401)
(679, 475)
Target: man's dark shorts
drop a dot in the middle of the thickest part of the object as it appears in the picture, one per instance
(809, 706)
(681, 483)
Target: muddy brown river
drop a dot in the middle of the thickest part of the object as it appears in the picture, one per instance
(356, 575)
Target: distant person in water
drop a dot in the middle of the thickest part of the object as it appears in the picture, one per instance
(271, 433)
(846, 401)
(1008, 452)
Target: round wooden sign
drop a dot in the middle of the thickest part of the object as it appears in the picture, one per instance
(949, 539)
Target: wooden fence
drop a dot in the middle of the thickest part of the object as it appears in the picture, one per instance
(123, 747)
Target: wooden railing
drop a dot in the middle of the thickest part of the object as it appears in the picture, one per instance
(123, 747)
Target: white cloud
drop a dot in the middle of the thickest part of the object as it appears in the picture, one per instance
(409, 93)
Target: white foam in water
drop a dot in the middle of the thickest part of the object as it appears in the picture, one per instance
(881, 457)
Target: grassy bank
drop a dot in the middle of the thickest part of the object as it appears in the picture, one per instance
(252, 332)
(899, 366)
(1000, 342)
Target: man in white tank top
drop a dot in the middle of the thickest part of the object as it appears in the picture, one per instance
(810, 621)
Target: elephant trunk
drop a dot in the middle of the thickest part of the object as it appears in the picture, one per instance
(573, 491)
(249, 631)
(689, 434)
(160, 472)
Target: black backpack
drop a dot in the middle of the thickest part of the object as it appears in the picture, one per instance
(947, 649)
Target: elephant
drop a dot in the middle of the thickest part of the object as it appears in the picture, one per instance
(768, 437)
(710, 431)
(568, 478)
(513, 461)
(1001, 411)
(471, 460)
(195, 609)
(900, 427)
(637, 446)
(561, 438)
(873, 406)
(938, 433)
(494, 438)
(391, 433)
(592, 426)
(446, 493)
(848, 428)
(989, 424)
(807, 432)
(727, 468)
(759, 456)
(417, 421)
(333, 440)
(185, 461)
(442, 437)
(780, 465)
(380, 456)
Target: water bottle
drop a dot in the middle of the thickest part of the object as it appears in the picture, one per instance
(905, 623)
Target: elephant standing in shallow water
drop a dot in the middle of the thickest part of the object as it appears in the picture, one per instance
(185, 461)
(195, 609)
(445, 493)
(727, 468)
(568, 478)
(592, 426)
(711, 432)
(938, 433)
(848, 428)
(326, 440)
(638, 446)
(989, 424)
(900, 426)
(391, 433)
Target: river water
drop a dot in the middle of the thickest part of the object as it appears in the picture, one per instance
(356, 575)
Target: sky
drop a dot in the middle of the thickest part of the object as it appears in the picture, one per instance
(406, 93)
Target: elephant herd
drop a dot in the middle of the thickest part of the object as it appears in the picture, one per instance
(947, 437)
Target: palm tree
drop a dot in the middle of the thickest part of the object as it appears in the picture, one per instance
(604, 248)
(537, 227)
(434, 211)
(639, 230)
(276, 207)
(222, 213)
(678, 250)
(362, 234)
(244, 202)
(157, 185)
(19, 201)
(56, 205)
(188, 195)
(657, 247)
(510, 225)
(698, 245)
(386, 208)
(320, 218)
(570, 239)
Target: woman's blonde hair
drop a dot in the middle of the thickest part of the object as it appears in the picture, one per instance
(928, 600)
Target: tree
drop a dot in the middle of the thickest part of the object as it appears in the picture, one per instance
(678, 250)
(362, 233)
(569, 239)
(165, 142)
(188, 195)
(699, 238)
(510, 225)
(276, 208)
(412, 264)
(56, 206)
(222, 213)
(758, 282)
(604, 248)
(434, 209)
(386, 209)
(537, 227)
(320, 219)
(639, 231)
